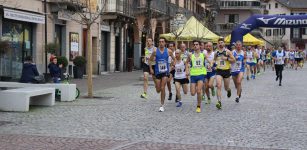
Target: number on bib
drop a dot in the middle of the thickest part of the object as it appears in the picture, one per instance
(162, 67)
(238, 65)
(198, 63)
(222, 63)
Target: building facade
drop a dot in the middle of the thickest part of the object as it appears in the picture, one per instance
(290, 37)
(233, 12)
(118, 37)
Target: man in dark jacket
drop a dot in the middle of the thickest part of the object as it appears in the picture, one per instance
(55, 70)
(29, 71)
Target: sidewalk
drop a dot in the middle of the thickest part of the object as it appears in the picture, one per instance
(109, 80)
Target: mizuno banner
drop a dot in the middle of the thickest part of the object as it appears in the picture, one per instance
(270, 21)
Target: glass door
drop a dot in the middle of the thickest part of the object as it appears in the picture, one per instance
(19, 37)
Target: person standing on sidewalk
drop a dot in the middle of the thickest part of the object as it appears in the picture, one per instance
(279, 58)
(148, 51)
(161, 70)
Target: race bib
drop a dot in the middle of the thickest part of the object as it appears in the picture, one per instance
(279, 60)
(208, 67)
(162, 67)
(179, 70)
(146, 60)
(198, 63)
(222, 63)
(238, 65)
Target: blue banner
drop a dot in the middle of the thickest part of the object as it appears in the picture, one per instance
(270, 21)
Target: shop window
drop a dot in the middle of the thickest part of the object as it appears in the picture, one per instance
(268, 32)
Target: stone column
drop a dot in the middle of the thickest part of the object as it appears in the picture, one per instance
(112, 49)
(153, 23)
(137, 41)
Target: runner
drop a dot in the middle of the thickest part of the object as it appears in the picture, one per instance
(287, 53)
(268, 57)
(258, 50)
(171, 46)
(237, 69)
(210, 72)
(181, 77)
(302, 58)
(296, 57)
(279, 57)
(291, 58)
(223, 58)
(262, 60)
(197, 72)
(148, 51)
(251, 61)
(160, 56)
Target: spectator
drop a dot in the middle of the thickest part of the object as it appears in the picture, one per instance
(55, 70)
(29, 71)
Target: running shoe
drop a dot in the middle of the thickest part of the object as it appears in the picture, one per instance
(219, 105)
(203, 98)
(144, 95)
(213, 92)
(208, 101)
(279, 84)
(170, 96)
(179, 104)
(237, 99)
(229, 93)
(161, 109)
(176, 100)
(198, 110)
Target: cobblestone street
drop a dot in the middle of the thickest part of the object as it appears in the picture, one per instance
(267, 117)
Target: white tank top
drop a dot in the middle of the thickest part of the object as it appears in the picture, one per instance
(210, 58)
(180, 70)
(280, 58)
(249, 56)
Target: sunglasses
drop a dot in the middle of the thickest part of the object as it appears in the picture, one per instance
(196, 44)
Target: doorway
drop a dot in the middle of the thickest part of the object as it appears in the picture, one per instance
(117, 53)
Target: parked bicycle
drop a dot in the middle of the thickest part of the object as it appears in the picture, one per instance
(66, 81)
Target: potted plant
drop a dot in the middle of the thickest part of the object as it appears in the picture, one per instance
(4, 50)
(79, 64)
(51, 48)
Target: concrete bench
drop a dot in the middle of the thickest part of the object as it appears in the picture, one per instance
(68, 91)
(19, 99)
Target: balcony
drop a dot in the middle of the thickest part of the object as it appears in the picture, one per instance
(70, 3)
(113, 8)
(158, 7)
(224, 29)
(241, 5)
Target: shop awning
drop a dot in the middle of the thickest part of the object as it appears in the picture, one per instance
(23, 16)
(248, 39)
(192, 30)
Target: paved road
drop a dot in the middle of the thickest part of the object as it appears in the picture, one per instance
(268, 116)
(108, 80)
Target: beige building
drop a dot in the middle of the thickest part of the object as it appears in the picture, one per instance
(233, 12)
(295, 37)
(156, 20)
(118, 37)
(23, 25)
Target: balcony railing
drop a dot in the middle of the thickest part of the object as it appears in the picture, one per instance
(256, 4)
(157, 6)
(224, 28)
(70, 2)
(123, 7)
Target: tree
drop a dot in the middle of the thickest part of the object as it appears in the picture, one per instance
(86, 12)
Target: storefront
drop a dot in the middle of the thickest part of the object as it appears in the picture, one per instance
(17, 31)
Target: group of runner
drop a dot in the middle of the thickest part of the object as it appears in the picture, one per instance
(202, 66)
